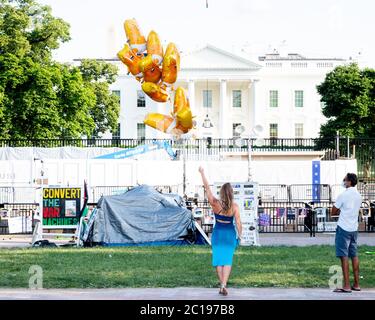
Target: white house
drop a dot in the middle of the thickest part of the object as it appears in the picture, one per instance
(277, 92)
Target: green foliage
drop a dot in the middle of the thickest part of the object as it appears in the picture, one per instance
(175, 266)
(99, 75)
(41, 98)
(348, 94)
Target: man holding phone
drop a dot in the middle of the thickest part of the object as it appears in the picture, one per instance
(347, 208)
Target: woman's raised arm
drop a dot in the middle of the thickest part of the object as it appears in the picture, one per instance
(210, 196)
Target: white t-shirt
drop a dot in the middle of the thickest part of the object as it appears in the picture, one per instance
(349, 203)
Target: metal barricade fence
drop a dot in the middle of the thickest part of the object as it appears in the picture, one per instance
(267, 192)
(309, 192)
(296, 217)
(6, 194)
(17, 218)
(96, 192)
(281, 217)
(273, 192)
(367, 191)
(18, 194)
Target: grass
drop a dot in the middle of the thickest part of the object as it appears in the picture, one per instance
(174, 267)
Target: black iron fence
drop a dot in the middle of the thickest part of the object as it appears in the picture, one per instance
(227, 144)
(295, 217)
(273, 217)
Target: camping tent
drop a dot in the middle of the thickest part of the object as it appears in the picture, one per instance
(141, 216)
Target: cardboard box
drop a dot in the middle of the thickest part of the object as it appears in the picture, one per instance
(289, 227)
(362, 226)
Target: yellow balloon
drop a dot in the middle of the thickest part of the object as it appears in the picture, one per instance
(171, 64)
(154, 47)
(155, 92)
(158, 121)
(135, 37)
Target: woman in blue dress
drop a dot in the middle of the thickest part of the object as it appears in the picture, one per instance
(224, 237)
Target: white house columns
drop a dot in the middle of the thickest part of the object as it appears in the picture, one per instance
(255, 115)
(223, 111)
(191, 91)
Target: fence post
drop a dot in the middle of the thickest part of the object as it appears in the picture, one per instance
(347, 147)
(337, 145)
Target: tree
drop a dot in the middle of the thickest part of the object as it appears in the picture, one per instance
(106, 111)
(348, 94)
(39, 97)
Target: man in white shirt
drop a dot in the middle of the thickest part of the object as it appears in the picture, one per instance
(347, 207)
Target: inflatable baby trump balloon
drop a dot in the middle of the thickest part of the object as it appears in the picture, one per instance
(158, 121)
(150, 70)
(135, 37)
(155, 92)
(154, 47)
(182, 111)
(171, 65)
(164, 123)
(149, 65)
(131, 60)
(181, 121)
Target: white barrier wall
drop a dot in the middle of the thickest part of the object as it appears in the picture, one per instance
(132, 172)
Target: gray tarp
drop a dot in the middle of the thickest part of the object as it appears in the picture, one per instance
(141, 215)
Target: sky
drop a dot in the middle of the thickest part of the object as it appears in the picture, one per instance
(313, 28)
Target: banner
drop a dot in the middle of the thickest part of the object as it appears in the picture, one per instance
(246, 196)
(61, 207)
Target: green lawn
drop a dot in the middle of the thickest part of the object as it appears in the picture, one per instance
(175, 267)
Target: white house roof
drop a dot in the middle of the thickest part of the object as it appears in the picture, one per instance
(212, 58)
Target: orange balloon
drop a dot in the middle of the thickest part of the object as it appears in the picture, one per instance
(151, 71)
(131, 60)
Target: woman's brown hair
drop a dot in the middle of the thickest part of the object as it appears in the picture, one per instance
(226, 197)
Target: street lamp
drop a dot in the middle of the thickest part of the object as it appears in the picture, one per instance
(207, 124)
(254, 134)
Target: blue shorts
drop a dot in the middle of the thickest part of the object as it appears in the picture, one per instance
(346, 243)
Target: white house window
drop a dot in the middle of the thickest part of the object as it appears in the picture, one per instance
(298, 130)
(207, 98)
(298, 98)
(117, 93)
(234, 133)
(116, 134)
(141, 131)
(274, 130)
(274, 98)
(141, 99)
(237, 98)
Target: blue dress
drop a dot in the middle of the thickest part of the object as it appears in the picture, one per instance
(223, 241)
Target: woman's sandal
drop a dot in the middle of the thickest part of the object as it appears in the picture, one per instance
(221, 289)
(341, 290)
(225, 292)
